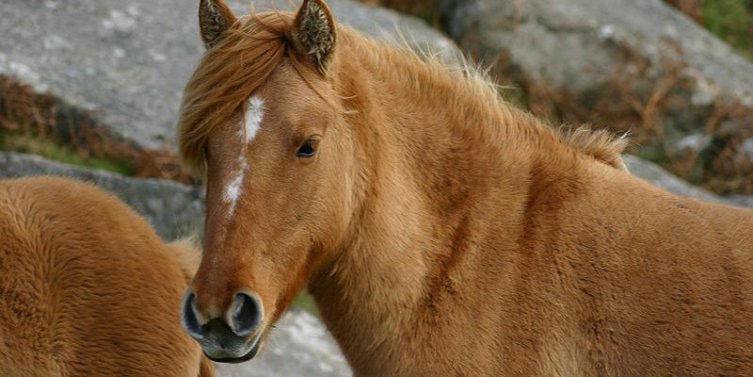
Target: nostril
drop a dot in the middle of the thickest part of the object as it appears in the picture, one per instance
(245, 314)
(189, 316)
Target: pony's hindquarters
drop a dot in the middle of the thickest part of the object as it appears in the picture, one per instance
(86, 287)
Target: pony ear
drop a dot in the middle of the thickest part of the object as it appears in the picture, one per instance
(313, 33)
(214, 19)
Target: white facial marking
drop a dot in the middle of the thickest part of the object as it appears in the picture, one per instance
(254, 115)
(233, 190)
(249, 126)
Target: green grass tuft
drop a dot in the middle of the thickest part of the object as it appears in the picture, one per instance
(732, 21)
(306, 302)
(19, 142)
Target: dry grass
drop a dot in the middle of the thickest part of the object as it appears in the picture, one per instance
(691, 8)
(43, 117)
(633, 100)
(730, 20)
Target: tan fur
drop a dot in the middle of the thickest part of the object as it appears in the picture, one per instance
(599, 144)
(445, 233)
(187, 253)
(87, 288)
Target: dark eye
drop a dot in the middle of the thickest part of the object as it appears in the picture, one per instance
(307, 149)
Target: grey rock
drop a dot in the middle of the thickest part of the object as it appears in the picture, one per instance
(174, 210)
(657, 176)
(740, 200)
(299, 346)
(127, 61)
(577, 47)
(688, 144)
(746, 149)
(392, 27)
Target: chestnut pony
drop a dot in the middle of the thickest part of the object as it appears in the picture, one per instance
(87, 288)
(441, 231)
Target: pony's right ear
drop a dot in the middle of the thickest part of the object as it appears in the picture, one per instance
(313, 33)
(214, 19)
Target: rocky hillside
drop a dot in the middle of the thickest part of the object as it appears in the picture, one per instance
(106, 76)
(640, 66)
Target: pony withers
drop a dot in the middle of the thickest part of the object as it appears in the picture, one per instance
(87, 288)
(441, 231)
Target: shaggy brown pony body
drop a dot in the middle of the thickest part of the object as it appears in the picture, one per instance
(441, 231)
(87, 288)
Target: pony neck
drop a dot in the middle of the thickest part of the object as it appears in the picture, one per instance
(431, 150)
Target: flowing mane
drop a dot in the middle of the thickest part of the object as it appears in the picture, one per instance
(228, 72)
(252, 48)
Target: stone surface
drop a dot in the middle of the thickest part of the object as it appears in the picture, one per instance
(127, 61)
(392, 27)
(570, 44)
(637, 62)
(299, 346)
(659, 177)
(174, 210)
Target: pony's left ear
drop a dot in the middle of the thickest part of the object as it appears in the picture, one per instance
(313, 33)
(214, 19)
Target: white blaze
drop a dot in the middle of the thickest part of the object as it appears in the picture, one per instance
(233, 190)
(254, 115)
(249, 126)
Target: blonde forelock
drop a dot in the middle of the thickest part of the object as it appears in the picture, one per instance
(225, 77)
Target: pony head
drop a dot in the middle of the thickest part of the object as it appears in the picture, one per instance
(261, 122)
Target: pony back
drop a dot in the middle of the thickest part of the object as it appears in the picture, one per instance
(87, 287)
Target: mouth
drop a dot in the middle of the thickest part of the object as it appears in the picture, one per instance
(235, 360)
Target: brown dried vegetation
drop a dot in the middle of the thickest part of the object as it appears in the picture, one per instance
(23, 111)
(635, 101)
